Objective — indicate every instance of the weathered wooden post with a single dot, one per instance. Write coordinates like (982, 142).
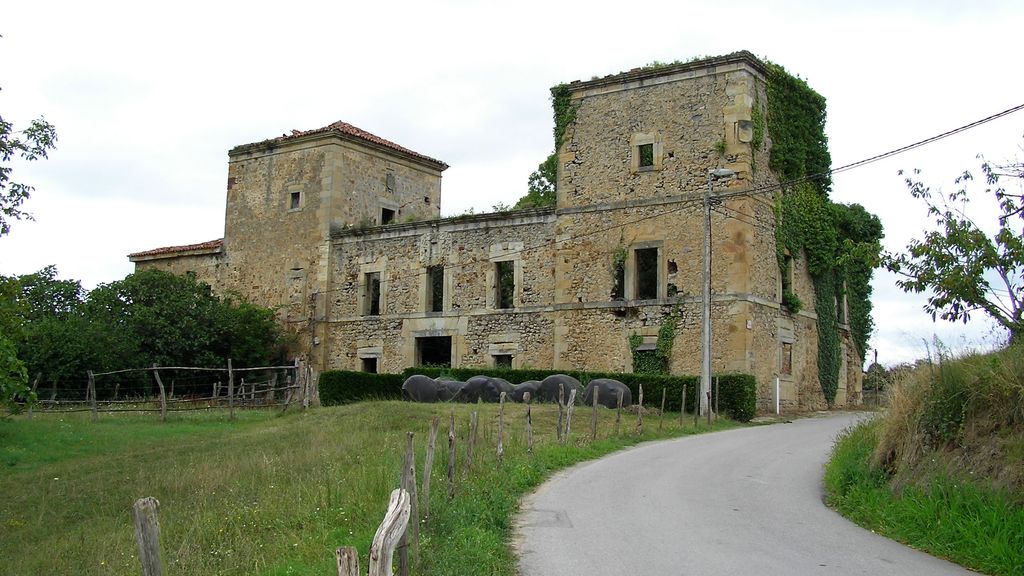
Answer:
(451, 456)
(91, 396)
(682, 406)
(561, 406)
(640, 413)
(163, 397)
(618, 412)
(470, 445)
(35, 383)
(348, 561)
(529, 424)
(661, 418)
(717, 398)
(568, 416)
(428, 465)
(409, 485)
(231, 391)
(147, 535)
(389, 533)
(593, 413)
(709, 408)
(501, 429)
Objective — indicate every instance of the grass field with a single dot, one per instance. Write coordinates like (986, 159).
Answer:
(268, 494)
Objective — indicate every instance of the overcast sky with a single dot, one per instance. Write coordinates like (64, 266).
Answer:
(148, 98)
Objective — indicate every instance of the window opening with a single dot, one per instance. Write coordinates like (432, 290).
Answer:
(371, 299)
(646, 273)
(505, 281)
(435, 288)
(294, 203)
(386, 216)
(370, 365)
(646, 152)
(786, 368)
(503, 361)
(434, 351)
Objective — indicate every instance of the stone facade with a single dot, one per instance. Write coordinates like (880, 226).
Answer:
(339, 229)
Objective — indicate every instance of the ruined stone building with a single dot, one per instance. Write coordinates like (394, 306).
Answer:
(341, 231)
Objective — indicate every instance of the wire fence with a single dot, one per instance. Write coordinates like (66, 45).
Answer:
(179, 388)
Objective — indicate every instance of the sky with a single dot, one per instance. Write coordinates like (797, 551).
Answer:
(147, 99)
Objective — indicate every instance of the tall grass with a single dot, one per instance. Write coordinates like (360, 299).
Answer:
(268, 494)
(943, 468)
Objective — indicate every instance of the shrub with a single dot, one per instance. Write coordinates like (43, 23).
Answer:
(343, 387)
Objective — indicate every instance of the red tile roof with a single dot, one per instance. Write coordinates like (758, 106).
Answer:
(347, 129)
(212, 245)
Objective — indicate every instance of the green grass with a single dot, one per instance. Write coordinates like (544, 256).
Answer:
(267, 494)
(961, 521)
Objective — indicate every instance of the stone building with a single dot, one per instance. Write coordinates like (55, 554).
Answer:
(340, 230)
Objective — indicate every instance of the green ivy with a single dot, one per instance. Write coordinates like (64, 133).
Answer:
(659, 360)
(565, 111)
(841, 242)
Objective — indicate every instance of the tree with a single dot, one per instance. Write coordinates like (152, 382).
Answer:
(961, 266)
(30, 144)
(542, 185)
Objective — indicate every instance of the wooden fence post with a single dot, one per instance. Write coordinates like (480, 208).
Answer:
(568, 416)
(682, 407)
(409, 485)
(389, 533)
(640, 413)
(661, 418)
(231, 390)
(348, 561)
(35, 383)
(501, 429)
(147, 535)
(451, 456)
(529, 424)
(717, 398)
(163, 397)
(428, 466)
(561, 406)
(470, 445)
(91, 393)
(593, 413)
(618, 412)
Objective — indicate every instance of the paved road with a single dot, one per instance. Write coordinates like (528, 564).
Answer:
(746, 501)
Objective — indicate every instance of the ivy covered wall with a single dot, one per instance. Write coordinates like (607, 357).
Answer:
(841, 242)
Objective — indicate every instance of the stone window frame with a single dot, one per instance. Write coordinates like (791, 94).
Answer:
(364, 270)
(510, 349)
(295, 199)
(426, 300)
(504, 252)
(384, 204)
(639, 139)
(375, 353)
(786, 337)
(630, 289)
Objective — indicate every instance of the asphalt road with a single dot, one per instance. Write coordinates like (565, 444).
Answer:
(746, 501)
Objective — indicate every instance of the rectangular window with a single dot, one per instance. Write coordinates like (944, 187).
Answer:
(371, 296)
(370, 365)
(386, 216)
(505, 283)
(786, 368)
(503, 361)
(435, 288)
(434, 351)
(294, 201)
(646, 260)
(646, 153)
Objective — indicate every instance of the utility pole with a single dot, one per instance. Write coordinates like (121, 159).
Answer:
(705, 357)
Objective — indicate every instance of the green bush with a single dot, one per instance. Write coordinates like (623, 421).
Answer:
(343, 387)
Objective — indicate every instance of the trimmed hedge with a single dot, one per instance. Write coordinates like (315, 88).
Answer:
(343, 387)
(738, 391)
